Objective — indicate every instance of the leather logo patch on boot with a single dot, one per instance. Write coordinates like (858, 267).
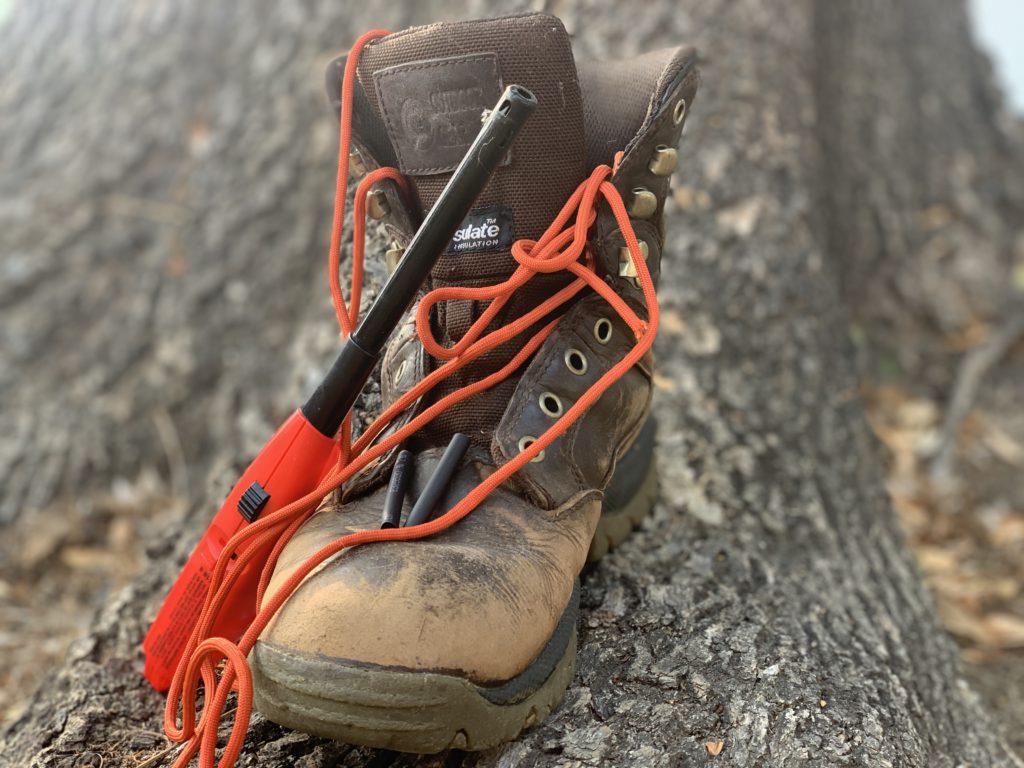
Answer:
(432, 108)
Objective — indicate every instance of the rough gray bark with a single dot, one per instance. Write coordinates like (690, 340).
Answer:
(166, 198)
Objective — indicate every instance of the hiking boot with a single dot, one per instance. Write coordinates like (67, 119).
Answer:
(464, 638)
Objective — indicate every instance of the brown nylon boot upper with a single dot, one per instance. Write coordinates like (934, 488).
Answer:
(483, 598)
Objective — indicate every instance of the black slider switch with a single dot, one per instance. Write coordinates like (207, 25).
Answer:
(252, 502)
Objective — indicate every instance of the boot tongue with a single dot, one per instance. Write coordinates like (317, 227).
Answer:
(428, 87)
(425, 90)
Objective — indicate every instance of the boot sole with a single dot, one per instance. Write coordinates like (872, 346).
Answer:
(420, 712)
(429, 712)
(631, 494)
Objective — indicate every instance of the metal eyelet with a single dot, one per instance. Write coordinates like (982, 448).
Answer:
(392, 256)
(642, 203)
(356, 166)
(525, 442)
(603, 330)
(377, 206)
(627, 268)
(679, 112)
(663, 161)
(576, 361)
(551, 404)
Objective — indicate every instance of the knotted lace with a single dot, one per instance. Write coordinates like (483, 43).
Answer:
(220, 665)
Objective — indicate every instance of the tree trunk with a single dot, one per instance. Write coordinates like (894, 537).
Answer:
(164, 210)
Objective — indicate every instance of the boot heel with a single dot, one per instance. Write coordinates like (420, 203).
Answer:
(630, 495)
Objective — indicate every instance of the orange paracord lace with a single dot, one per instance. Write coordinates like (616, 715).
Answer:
(221, 665)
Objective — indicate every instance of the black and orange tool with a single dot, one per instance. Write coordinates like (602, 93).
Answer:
(299, 454)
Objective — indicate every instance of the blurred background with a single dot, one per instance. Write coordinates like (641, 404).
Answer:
(122, 385)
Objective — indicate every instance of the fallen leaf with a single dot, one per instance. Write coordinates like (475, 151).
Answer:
(90, 558)
(688, 197)
(1009, 530)
(121, 535)
(968, 337)
(936, 559)
(1005, 630)
(935, 217)
(714, 748)
(1003, 446)
(44, 541)
(664, 383)
(1018, 277)
(672, 322)
(918, 413)
(741, 219)
(969, 588)
(959, 621)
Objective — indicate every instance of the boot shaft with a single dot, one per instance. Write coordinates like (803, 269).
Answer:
(418, 105)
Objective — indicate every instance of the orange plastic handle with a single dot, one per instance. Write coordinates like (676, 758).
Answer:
(291, 464)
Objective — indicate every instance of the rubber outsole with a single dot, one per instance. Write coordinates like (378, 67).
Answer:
(421, 712)
(427, 712)
(616, 525)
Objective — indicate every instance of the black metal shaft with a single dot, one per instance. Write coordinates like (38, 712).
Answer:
(333, 399)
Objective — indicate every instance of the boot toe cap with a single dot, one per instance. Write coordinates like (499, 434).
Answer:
(480, 600)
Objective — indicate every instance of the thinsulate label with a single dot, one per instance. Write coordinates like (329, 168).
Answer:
(484, 229)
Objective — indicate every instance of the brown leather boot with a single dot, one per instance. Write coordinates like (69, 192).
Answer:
(465, 638)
